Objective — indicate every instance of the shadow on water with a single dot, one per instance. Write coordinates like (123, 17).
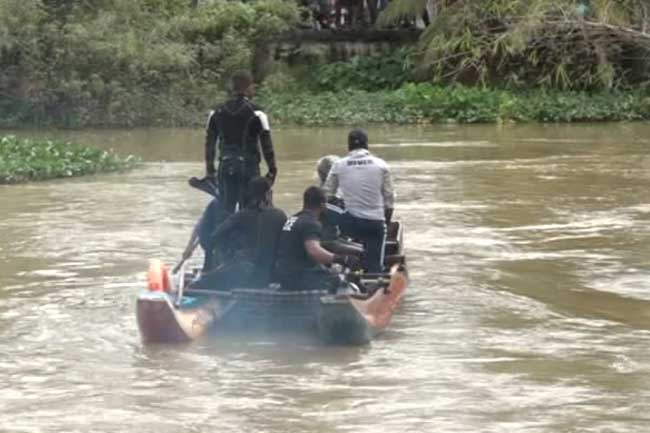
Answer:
(286, 348)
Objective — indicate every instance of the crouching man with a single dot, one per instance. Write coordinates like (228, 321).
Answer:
(252, 236)
(301, 259)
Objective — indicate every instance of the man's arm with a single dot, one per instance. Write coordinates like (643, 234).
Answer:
(331, 184)
(388, 194)
(192, 243)
(266, 142)
(323, 257)
(211, 135)
(231, 223)
(319, 254)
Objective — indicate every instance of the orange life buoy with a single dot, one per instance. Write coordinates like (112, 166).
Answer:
(158, 276)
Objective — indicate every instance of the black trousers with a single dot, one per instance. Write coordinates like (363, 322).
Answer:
(372, 234)
(234, 175)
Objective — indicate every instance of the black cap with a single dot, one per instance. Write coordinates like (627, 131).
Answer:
(357, 138)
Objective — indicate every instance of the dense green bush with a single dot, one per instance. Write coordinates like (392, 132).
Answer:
(23, 160)
(160, 62)
(426, 103)
(560, 44)
(376, 72)
(125, 62)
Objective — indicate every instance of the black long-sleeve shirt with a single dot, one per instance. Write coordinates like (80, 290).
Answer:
(260, 232)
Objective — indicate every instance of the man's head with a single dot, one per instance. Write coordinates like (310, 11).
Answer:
(242, 83)
(259, 191)
(314, 199)
(357, 139)
(324, 165)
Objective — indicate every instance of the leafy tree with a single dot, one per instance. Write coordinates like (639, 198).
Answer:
(559, 43)
(125, 62)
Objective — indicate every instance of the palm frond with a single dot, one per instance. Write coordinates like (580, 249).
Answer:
(398, 10)
(563, 43)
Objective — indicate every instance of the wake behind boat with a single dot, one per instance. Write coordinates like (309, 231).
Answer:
(168, 314)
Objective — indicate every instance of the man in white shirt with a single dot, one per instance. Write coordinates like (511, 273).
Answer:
(366, 186)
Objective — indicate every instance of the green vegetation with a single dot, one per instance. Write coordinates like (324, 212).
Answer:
(23, 160)
(125, 62)
(116, 63)
(370, 73)
(560, 44)
(426, 103)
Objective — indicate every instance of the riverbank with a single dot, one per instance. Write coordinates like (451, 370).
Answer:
(23, 160)
(409, 104)
(161, 63)
(425, 103)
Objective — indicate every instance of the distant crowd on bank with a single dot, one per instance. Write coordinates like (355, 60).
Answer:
(346, 14)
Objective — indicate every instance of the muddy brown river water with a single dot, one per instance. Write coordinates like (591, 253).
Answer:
(528, 311)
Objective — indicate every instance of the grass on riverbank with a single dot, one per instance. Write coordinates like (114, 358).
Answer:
(24, 160)
(411, 103)
(426, 103)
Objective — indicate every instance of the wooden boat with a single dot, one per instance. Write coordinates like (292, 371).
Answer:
(345, 318)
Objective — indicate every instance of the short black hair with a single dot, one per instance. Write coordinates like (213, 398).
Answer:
(357, 139)
(258, 187)
(313, 198)
(241, 81)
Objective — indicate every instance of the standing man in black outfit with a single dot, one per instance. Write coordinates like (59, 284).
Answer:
(239, 128)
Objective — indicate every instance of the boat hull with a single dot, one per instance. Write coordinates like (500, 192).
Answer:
(160, 321)
(338, 319)
(353, 319)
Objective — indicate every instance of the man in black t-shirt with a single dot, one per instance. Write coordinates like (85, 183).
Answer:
(257, 227)
(301, 259)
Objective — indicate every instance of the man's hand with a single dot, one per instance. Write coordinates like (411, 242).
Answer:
(272, 173)
(351, 262)
(388, 214)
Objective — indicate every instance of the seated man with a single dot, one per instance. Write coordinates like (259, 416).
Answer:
(366, 186)
(323, 167)
(301, 259)
(335, 207)
(213, 215)
(258, 226)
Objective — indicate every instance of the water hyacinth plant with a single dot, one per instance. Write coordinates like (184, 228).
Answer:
(23, 160)
(428, 103)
